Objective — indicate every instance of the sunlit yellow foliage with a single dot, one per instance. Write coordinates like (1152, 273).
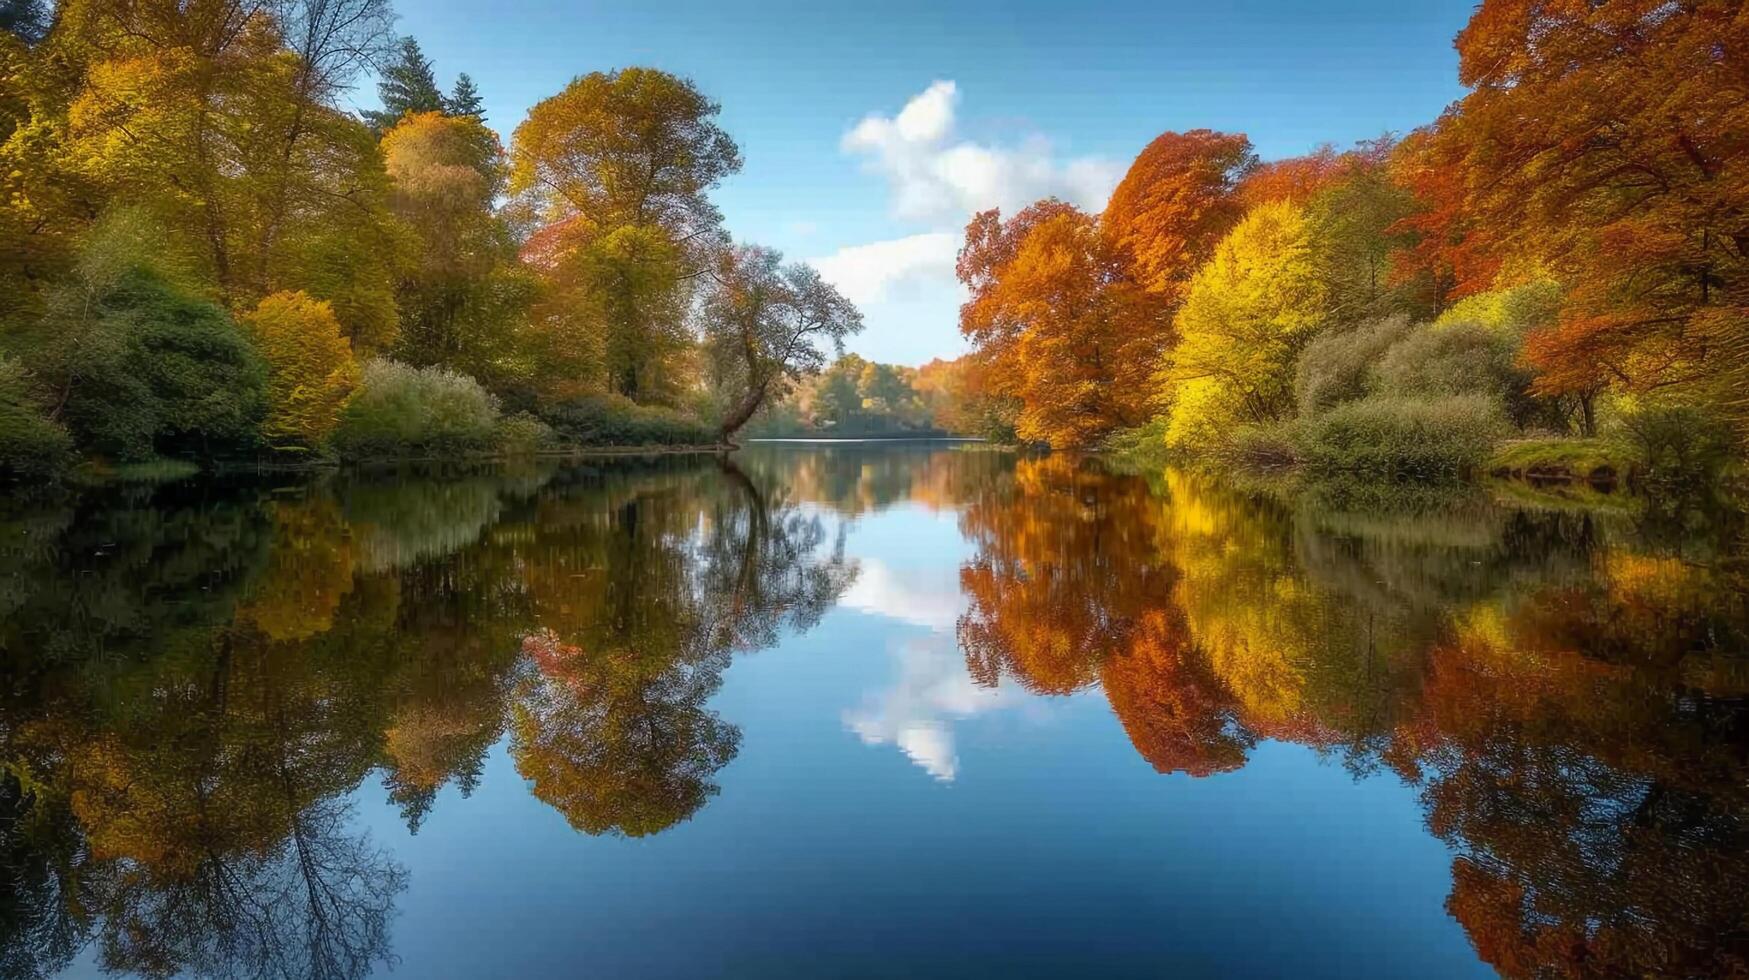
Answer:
(1246, 316)
(311, 370)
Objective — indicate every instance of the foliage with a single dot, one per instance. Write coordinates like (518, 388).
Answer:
(27, 20)
(1679, 445)
(764, 324)
(407, 87)
(460, 299)
(613, 420)
(310, 369)
(852, 397)
(1066, 334)
(1583, 459)
(635, 146)
(1646, 223)
(522, 434)
(31, 444)
(1246, 316)
(400, 410)
(1392, 437)
(1458, 359)
(1175, 203)
(229, 126)
(464, 99)
(162, 372)
(1337, 366)
(962, 400)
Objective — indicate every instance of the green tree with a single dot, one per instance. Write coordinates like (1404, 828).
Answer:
(458, 296)
(407, 86)
(464, 99)
(764, 322)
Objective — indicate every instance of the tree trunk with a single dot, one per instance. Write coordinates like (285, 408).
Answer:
(742, 412)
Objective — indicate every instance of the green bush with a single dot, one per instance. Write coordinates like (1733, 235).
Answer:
(1337, 367)
(31, 444)
(399, 410)
(523, 434)
(164, 372)
(1403, 437)
(1679, 445)
(612, 420)
(1460, 358)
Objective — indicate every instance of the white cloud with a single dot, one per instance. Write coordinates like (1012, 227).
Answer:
(936, 176)
(873, 272)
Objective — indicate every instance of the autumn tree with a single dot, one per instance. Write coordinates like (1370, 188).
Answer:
(459, 298)
(1246, 315)
(1608, 142)
(1070, 336)
(227, 122)
(765, 323)
(310, 370)
(632, 154)
(1175, 202)
(1296, 179)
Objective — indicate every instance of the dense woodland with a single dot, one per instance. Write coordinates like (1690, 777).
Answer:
(207, 255)
(1563, 253)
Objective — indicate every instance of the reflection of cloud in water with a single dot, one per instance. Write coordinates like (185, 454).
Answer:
(880, 591)
(933, 690)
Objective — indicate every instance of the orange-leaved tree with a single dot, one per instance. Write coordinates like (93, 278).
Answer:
(1075, 337)
(1175, 203)
(1611, 142)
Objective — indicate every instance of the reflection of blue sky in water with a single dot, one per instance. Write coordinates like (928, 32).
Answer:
(908, 560)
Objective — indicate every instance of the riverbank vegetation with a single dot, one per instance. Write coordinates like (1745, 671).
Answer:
(205, 255)
(1552, 277)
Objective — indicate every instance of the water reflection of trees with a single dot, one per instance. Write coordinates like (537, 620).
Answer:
(1568, 694)
(199, 680)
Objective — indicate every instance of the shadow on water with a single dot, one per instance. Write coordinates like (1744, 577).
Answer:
(198, 675)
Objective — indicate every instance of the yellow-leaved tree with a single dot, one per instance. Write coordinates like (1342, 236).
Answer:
(1246, 315)
(311, 370)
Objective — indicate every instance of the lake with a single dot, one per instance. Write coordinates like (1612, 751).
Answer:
(868, 710)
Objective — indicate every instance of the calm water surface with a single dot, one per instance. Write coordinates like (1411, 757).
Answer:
(866, 710)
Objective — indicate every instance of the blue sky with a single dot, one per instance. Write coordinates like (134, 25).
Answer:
(872, 130)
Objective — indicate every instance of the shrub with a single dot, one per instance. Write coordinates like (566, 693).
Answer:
(1337, 367)
(1679, 445)
(523, 434)
(310, 369)
(400, 410)
(31, 444)
(1459, 358)
(612, 420)
(165, 372)
(1404, 437)
(1267, 447)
